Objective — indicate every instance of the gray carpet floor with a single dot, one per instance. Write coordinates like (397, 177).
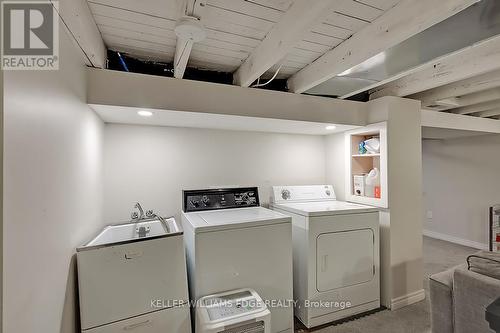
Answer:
(438, 256)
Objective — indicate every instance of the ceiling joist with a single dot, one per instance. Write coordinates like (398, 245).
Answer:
(284, 35)
(77, 17)
(469, 99)
(489, 113)
(487, 106)
(468, 86)
(401, 22)
(474, 60)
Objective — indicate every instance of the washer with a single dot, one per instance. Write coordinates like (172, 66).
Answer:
(233, 243)
(335, 253)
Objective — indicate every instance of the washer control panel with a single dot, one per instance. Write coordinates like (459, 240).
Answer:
(221, 198)
(283, 194)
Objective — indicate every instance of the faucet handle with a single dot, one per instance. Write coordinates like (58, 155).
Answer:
(149, 213)
(134, 215)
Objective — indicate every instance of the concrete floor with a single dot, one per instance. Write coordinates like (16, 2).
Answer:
(438, 256)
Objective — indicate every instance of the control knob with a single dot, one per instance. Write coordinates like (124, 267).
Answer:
(285, 194)
(205, 200)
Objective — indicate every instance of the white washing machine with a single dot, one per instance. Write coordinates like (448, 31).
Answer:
(233, 243)
(335, 253)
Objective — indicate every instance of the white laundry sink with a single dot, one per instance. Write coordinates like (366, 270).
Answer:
(133, 231)
(124, 269)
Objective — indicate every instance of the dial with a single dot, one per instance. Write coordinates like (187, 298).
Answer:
(205, 200)
(285, 194)
(195, 203)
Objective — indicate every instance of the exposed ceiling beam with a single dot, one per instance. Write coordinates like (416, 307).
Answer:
(284, 35)
(473, 85)
(459, 122)
(489, 113)
(183, 47)
(477, 108)
(406, 19)
(480, 58)
(77, 18)
(469, 99)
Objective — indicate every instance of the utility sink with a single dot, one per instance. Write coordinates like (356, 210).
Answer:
(124, 269)
(133, 231)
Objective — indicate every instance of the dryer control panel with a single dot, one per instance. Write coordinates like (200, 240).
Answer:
(220, 198)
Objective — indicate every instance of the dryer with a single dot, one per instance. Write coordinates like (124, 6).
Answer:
(233, 243)
(335, 253)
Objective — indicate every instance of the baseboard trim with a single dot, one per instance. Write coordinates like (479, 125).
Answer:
(402, 301)
(456, 240)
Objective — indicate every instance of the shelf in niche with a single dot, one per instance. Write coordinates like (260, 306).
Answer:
(366, 155)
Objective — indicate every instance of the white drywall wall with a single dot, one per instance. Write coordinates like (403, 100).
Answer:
(1, 197)
(400, 227)
(158, 92)
(52, 191)
(335, 163)
(154, 164)
(461, 180)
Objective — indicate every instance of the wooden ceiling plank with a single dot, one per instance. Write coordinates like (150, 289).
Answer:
(212, 23)
(314, 37)
(347, 22)
(103, 13)
(360, 10)
(221, 51)
(132, 37)
(224, 45)
(232, 38)
(248, 8)
(381, 4)
(136, 43)
(167, 37)
(282, 5)
(331, 30)
(155, 8)
(220, 14)
(304, 44)
(143, 53)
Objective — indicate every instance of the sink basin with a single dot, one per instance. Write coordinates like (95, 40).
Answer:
(127, 232)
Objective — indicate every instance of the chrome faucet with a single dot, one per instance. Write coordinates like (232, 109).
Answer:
(138, 215)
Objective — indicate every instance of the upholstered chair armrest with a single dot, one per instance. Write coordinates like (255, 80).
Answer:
(472, 293)
(441, 296)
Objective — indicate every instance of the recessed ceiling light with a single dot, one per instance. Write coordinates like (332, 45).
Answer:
(331, 127)
(144, 113)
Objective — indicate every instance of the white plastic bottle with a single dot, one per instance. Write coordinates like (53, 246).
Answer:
(372, 181)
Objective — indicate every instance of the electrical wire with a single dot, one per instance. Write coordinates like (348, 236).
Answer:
(268, 81)
(122, 61)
